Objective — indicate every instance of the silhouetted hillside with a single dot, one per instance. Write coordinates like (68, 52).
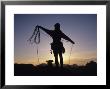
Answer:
(90, 69)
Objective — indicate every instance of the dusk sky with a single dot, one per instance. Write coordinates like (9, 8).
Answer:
(81, 28)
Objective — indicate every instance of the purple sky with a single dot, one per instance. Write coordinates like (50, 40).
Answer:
(81, 28)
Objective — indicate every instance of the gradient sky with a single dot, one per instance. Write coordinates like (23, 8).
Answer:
(81, 28)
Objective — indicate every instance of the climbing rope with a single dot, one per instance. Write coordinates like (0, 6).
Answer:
(70, 53)
(38, 53)
(35, 38)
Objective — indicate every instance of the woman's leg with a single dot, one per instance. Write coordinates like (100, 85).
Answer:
(56, 58)
(61, 59)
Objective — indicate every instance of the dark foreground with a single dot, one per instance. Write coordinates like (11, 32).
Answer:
(90, 69)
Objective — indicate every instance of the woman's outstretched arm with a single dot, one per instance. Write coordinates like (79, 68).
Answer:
(49, 32)
(67, 38)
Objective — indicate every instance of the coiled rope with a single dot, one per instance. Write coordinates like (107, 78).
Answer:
(35, 38)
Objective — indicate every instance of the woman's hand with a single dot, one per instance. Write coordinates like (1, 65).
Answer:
(38, 26)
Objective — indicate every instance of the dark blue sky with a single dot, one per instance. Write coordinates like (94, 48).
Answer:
(81, 28)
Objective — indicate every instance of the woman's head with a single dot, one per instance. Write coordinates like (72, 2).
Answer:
(57, 26)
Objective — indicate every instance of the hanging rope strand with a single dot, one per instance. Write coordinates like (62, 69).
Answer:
(70, 53)
(38, 53)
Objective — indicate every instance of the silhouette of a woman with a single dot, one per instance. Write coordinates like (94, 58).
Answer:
(57, 45)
